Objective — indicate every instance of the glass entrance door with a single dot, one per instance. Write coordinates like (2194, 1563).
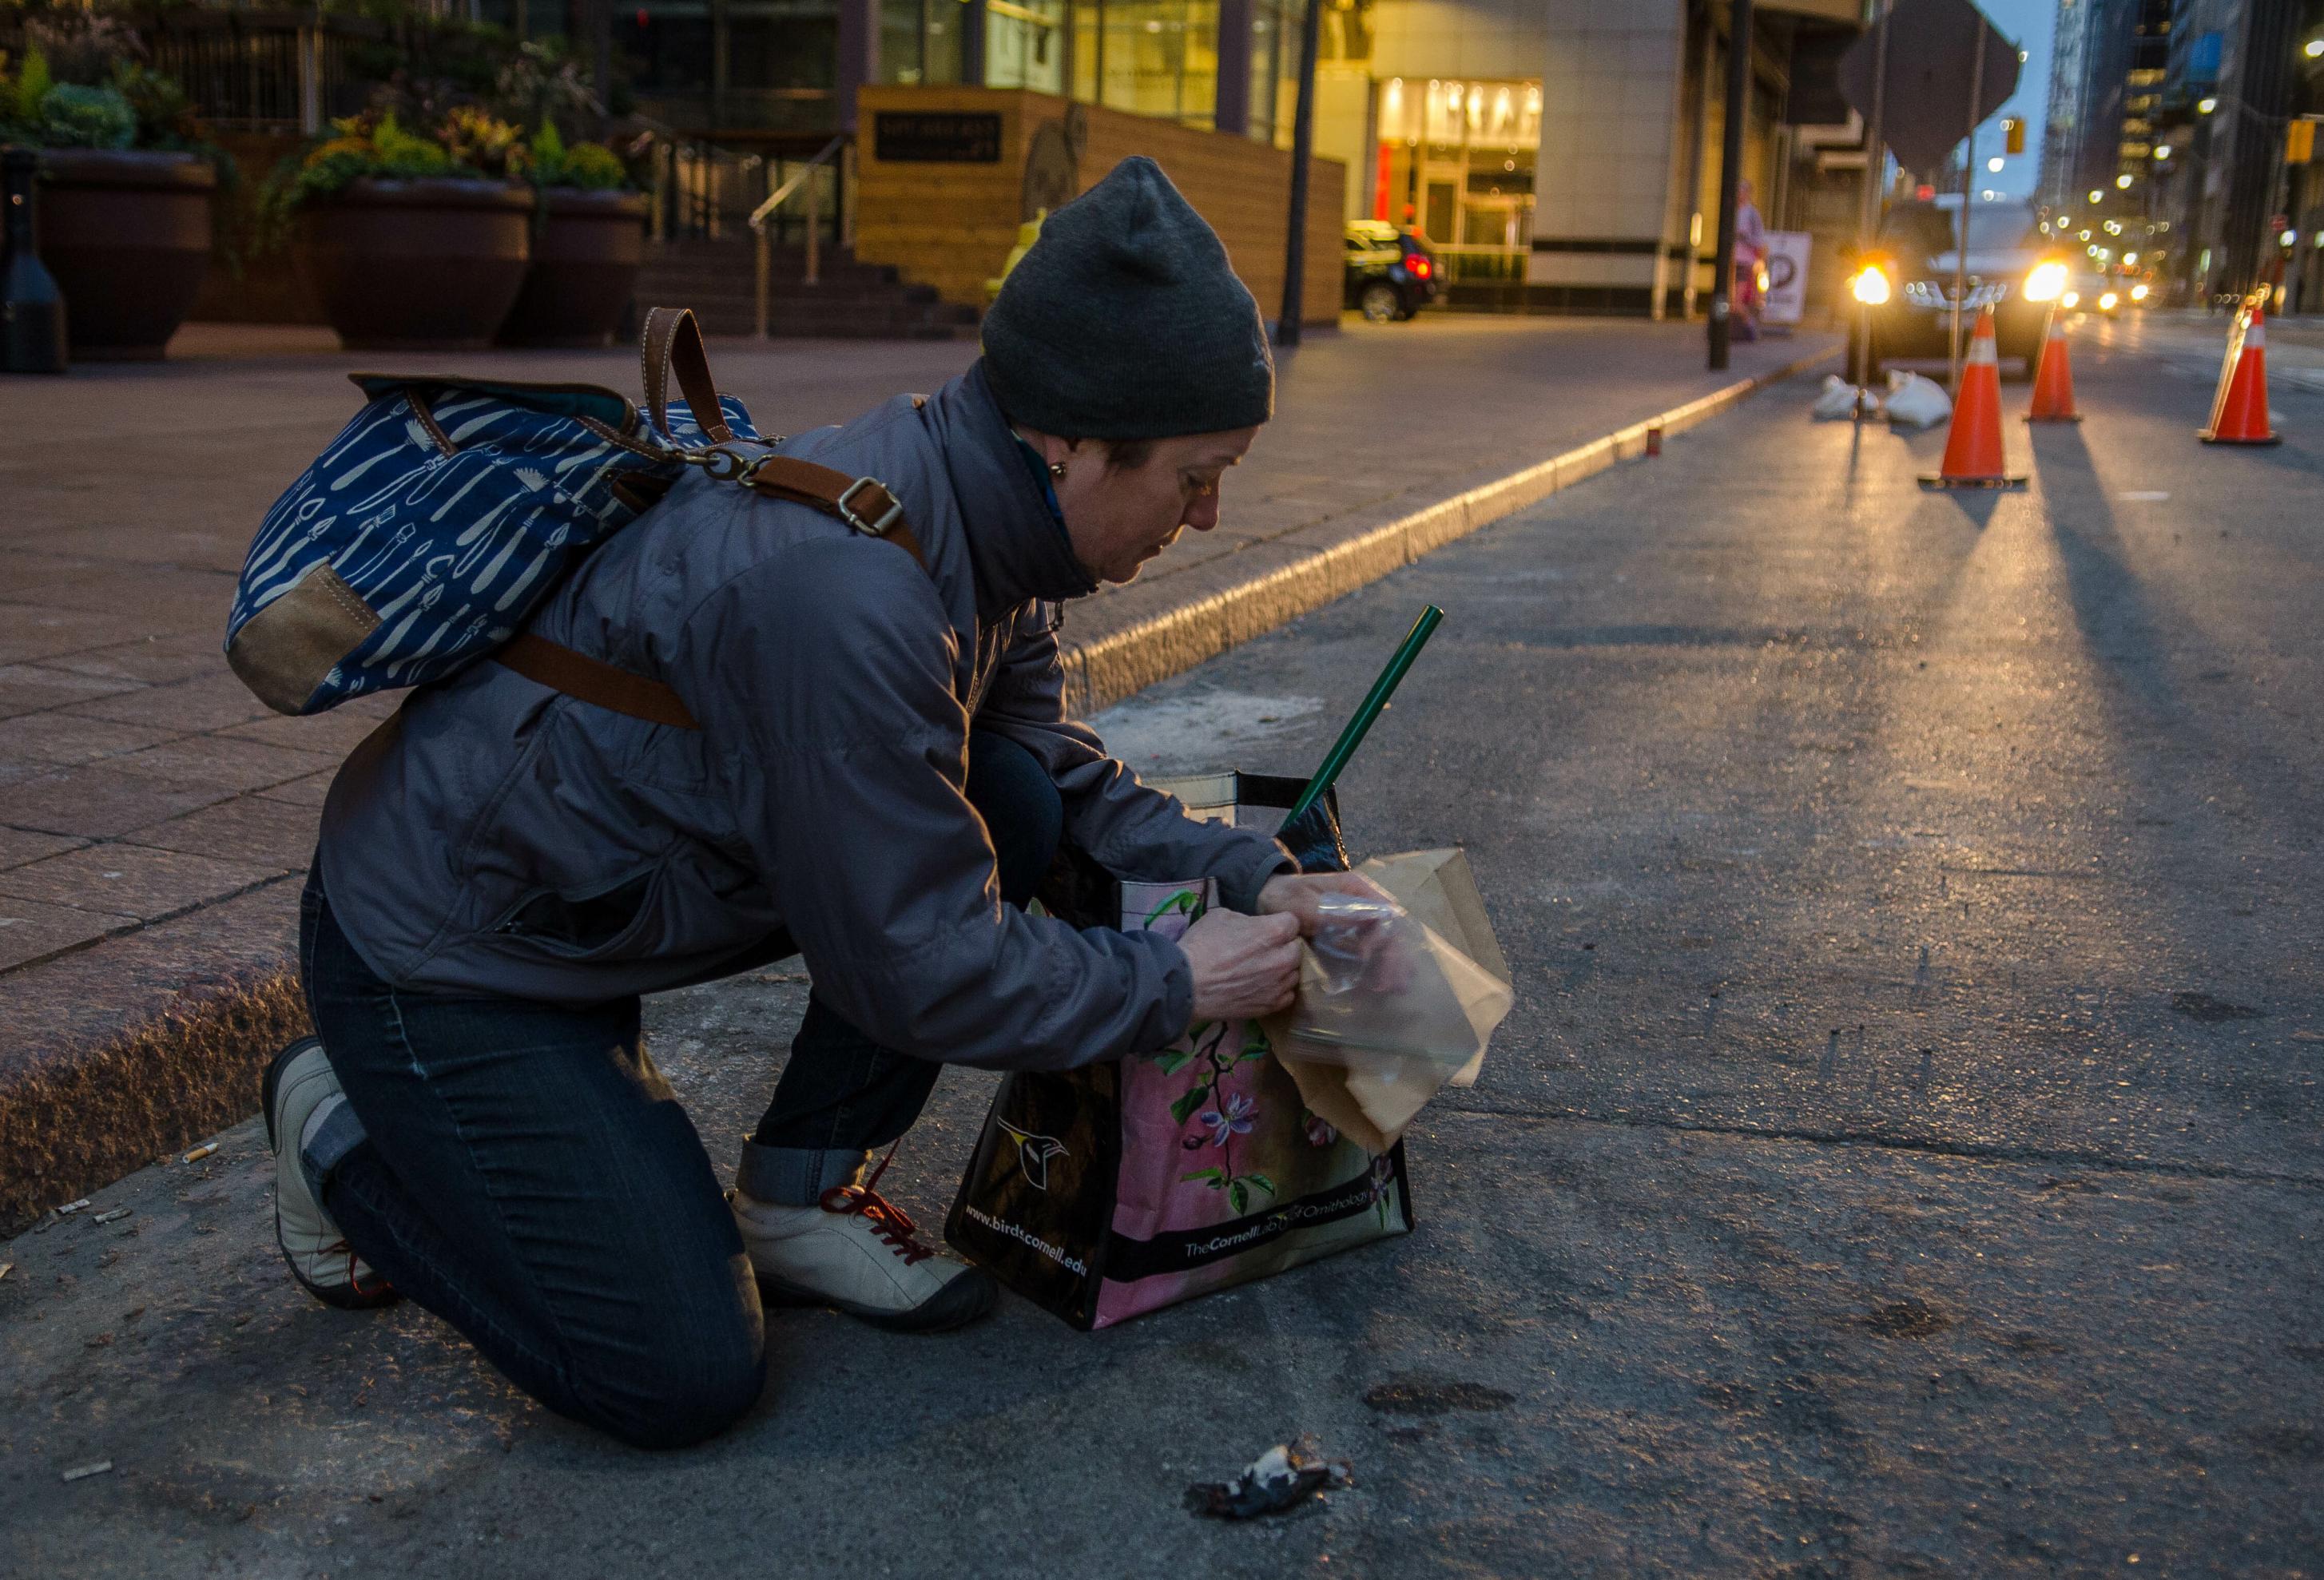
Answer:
(1457, 163)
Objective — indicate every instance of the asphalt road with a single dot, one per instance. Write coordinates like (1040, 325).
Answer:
(1904, 1158)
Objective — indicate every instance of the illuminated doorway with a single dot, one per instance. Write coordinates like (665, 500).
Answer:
(1456, 161)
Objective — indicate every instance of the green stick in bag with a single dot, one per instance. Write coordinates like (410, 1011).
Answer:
(1374, 703)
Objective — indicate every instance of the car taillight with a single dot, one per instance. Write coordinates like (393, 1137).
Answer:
(1420, 266)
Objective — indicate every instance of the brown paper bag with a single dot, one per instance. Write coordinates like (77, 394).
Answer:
(1369, 1080)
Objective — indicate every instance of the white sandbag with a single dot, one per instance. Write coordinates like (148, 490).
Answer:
(1915, 401)
(1837, 399)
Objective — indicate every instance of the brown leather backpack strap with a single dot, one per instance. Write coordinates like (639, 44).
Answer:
(864, 503)
(592, 681)
(671, 342)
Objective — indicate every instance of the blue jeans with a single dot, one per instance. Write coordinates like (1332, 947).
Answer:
(524, 1173)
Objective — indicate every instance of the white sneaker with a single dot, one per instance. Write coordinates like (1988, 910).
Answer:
(858, 1252)
(298, 1083)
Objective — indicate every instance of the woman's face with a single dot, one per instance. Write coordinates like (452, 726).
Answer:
(1121, 517)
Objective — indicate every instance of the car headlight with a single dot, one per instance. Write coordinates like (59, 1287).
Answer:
(1870, 285)
(2108, 302)
(2045, 282)
(2138, 293)
(2072, 298)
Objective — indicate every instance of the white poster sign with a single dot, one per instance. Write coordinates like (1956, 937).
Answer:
(1787, 277)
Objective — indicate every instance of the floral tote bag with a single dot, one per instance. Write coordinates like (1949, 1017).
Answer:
(1106, 1192)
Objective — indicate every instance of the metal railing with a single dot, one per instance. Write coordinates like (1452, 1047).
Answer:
(764, 250)
(266, 70)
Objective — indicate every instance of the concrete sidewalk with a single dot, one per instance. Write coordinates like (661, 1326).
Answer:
(155, 816)
(1906, 1156)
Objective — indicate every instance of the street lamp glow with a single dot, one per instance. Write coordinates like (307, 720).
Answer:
(1870, 286)
(2289, 238)
(2162, 151)
(2046, 283)
(2139, 292)
(2130, 260)
(2123, 182)
(2313, 49)
(2204, 106)
(2072, 298)
(2107, 303)
(2096, 196)
(1995, 164)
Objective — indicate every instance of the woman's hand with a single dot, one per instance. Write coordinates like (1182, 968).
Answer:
(1244, 966)
(1378, 954)
(1295, 895)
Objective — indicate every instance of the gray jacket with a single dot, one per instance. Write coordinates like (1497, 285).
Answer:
(496, 837)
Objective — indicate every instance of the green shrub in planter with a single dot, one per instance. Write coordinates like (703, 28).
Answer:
(589, 167)
(126, 219)
(410, 240)
(588, 244)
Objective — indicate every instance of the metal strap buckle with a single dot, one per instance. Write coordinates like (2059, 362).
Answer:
(722, 464)
(895, 511)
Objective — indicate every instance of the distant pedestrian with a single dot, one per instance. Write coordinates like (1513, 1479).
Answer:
(1751, 260)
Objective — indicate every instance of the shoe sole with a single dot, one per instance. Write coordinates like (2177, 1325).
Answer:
(346, 1297)
(960, 1302)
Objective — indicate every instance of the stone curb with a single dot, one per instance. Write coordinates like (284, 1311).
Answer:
(170, 1082)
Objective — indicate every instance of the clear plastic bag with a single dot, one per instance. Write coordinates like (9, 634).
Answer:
(1380, 993)
(1388, 1012)
(1354, 935)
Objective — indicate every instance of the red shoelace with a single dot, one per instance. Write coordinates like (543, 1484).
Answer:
(887, 1221)
(378, 1286)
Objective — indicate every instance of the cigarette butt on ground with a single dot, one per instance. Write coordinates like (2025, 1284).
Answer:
(72, 1207)
(199, 1153)
(6, 1268)
(114, 1217)
(78, 1471)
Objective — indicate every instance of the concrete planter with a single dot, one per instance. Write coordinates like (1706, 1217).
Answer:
(419, 265)
(585, 259)
(127, 235)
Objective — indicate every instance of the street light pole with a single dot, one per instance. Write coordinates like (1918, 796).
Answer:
(1875, 155)
(1302, 144)
(1876, 166)
(1968, 174)
(1730, 171)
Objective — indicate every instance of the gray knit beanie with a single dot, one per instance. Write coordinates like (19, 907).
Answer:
(1124, 321)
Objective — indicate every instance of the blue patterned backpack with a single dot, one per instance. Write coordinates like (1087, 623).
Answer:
(443, 515)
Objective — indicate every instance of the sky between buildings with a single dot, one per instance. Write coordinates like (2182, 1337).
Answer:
(2031, 22)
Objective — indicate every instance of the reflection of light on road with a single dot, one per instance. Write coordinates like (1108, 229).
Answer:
(1996, 754)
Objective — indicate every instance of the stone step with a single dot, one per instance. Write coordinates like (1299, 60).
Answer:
(718, 279)
(680, 292)
(863, 321)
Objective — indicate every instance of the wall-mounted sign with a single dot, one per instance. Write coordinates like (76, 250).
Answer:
(1787, 277)
(935, 137)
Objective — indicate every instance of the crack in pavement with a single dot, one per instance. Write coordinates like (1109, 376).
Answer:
(1969, 1151)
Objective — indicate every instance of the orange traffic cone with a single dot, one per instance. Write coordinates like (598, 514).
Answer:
(2239, 410)
(1973, 457)
(2053, 381)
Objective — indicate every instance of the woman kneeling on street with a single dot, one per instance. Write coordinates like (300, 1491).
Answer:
(883, 774)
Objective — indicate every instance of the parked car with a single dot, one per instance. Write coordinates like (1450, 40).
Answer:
(1917, 249)
(1390, 273)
